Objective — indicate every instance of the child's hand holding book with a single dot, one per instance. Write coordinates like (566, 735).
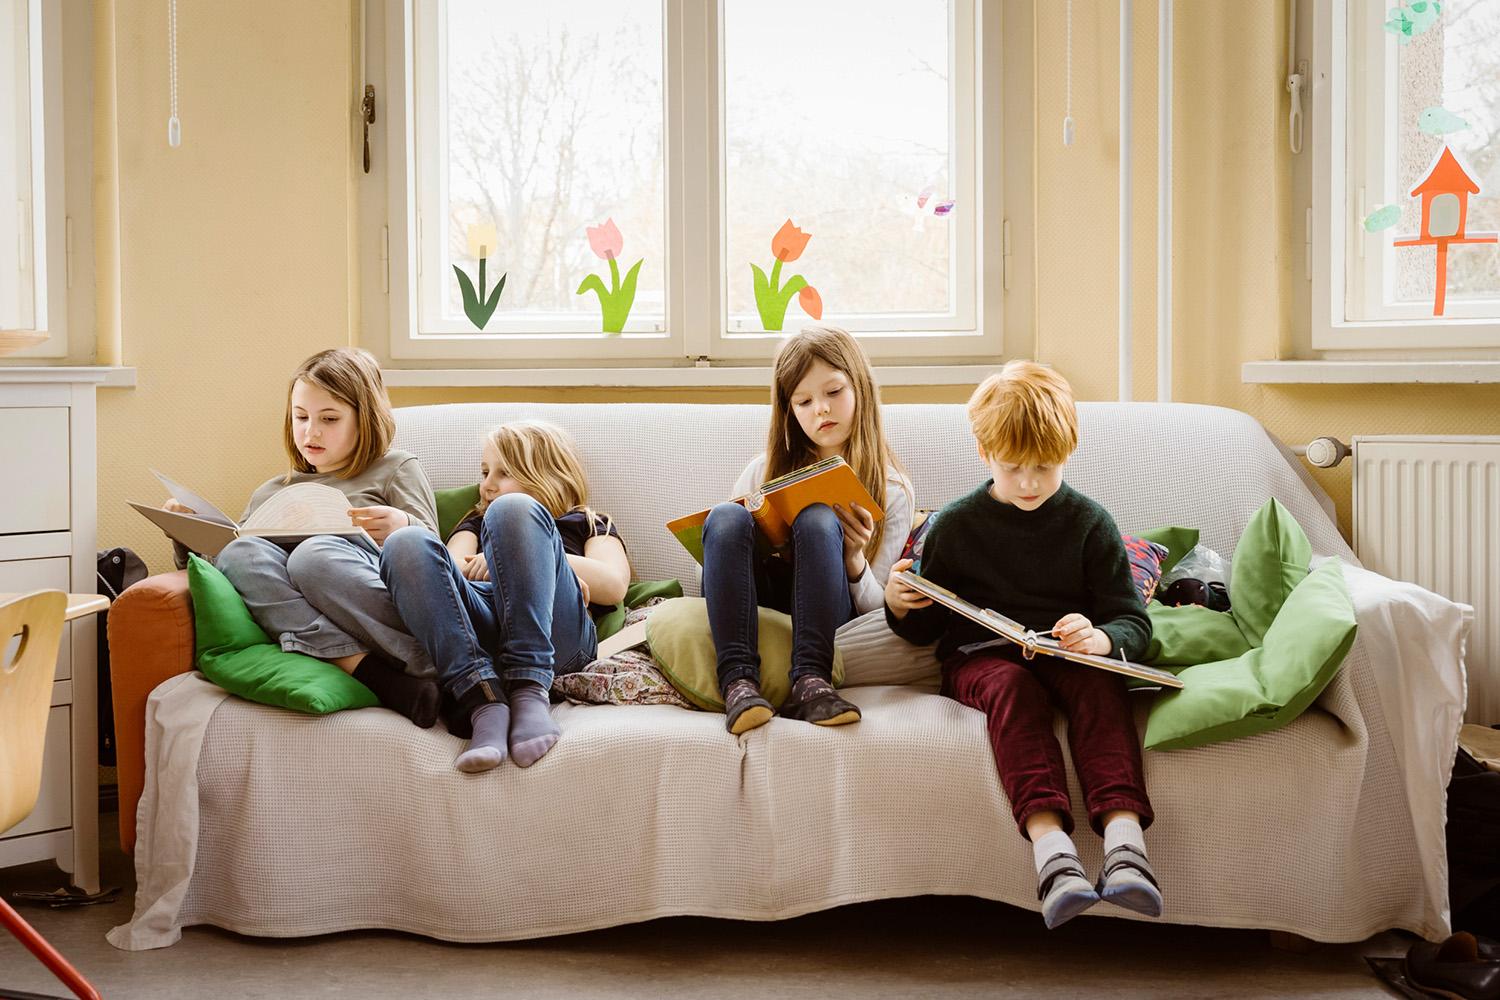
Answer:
(899, 596)
(1077, 634)
(378, 521)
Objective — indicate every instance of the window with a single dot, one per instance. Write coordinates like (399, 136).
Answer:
(1411, 175)
(33, 287)
(808, 164)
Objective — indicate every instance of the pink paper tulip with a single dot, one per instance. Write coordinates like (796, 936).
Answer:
(605, 240)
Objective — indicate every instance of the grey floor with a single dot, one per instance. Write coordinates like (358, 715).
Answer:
(928, 948)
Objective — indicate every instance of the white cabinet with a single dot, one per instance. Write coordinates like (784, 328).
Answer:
(48, 496)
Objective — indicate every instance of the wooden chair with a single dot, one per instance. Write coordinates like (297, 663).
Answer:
(25, 694)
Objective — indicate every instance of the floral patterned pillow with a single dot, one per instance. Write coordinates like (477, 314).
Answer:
(630, 677)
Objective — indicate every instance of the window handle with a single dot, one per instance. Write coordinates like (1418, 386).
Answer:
(367, 109)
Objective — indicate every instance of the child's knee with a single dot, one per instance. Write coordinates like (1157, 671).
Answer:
(314, 560)
(818, 518)
(728, 517)
(243, 556)
(506, 512)
(408, 547)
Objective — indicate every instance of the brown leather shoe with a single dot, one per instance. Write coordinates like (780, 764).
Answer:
(1455, 968)
(814, 700)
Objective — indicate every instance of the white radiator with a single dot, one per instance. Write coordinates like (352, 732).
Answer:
(1427, 510)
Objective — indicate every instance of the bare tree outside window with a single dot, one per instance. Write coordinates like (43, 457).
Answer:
(554, 124)
(840, 117)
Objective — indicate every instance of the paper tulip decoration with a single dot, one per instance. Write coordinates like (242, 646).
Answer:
(772, 297)
(615, 302)
(480, 306)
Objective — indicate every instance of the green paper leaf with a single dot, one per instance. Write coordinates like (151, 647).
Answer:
(472, 307)
(616, 307)
(495, 297)
(772, 313)
(1382, 218)
(592, 282)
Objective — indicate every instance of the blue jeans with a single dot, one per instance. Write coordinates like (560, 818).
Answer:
(528, 619)
(808, 582)
(323, 597)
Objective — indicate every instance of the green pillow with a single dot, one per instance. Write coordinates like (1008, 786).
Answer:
(678, 634)
(1179, 542)
(1191, 634)
(1269, 561)
(235, 654)
(452, 505)
(1266, 687)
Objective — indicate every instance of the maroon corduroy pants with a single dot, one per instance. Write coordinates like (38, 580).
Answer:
(1018, 696)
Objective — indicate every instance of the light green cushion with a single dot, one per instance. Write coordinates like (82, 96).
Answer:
(235, 654)
(636, 594)
(1179, 542)
(678, 634)
(1191, 634)
(1269, 561)
(452, 506)
(1269, 686)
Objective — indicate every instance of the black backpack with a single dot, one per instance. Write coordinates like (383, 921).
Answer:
(1474, 847)
(117, 569)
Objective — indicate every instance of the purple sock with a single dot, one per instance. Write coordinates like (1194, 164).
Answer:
(487, 747)
(532, 731)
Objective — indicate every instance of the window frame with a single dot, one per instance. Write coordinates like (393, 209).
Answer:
(1338, 238)
(46, 215)
(696, 283)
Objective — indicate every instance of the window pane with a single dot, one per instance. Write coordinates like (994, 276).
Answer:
(1453, 67)
(840, 118)
(553, 122)
(16, 278)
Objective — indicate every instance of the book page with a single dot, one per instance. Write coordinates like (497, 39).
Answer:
(303, 509)
(199, 506)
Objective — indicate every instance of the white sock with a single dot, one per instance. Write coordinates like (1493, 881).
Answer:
(1124, 830)
(1049, 844)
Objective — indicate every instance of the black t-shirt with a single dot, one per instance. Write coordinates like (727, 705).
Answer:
(574, 528)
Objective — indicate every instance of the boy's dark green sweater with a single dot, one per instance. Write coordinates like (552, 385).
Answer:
(1035, 566)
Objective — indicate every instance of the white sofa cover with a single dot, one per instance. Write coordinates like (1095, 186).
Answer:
(271, 823)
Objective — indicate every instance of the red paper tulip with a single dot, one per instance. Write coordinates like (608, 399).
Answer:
(811, 302)
(789, 242)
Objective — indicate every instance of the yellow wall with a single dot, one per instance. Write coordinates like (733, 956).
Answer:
(234, 251)
(233, 258)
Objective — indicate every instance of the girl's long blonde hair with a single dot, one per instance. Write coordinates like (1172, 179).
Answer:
(867, 451)
(543, 459)
(352, 376)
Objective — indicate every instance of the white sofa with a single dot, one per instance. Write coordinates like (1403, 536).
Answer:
(271, 823)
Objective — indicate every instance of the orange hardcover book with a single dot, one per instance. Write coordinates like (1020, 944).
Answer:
(778, 502)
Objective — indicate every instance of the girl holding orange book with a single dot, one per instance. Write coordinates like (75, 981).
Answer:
(824, 402)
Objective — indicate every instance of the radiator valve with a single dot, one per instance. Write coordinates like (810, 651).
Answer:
(1325, 452)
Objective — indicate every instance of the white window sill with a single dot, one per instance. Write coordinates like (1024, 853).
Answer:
(106, 376)
(1369, 372)
(694, 377)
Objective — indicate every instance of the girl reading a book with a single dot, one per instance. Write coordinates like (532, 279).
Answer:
(824, 402)
(506, 605)
(323, 596)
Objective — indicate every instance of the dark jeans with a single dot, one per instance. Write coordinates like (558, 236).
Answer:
(528, 619)
(1017, 697)
(808, 582)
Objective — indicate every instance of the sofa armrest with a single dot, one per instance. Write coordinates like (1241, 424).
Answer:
(150, 639)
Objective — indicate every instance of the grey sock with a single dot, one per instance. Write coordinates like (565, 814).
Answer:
(487, 748)
(532, 731)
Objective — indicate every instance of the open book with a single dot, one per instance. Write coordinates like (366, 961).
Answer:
(291, 515)
(1030, 642)
(778, 502)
